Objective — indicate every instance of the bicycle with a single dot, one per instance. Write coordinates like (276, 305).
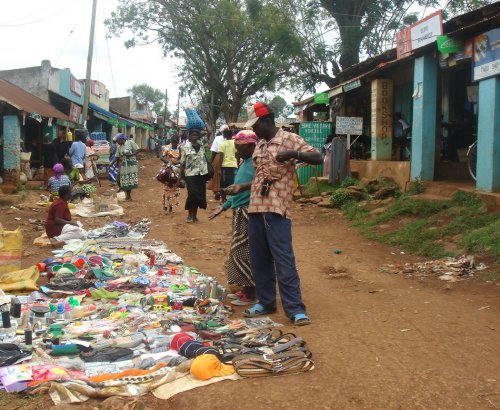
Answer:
(472, 160)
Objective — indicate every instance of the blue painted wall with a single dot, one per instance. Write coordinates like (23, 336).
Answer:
(11, 142)
(488, 138)
(65, 90)
(424, 118)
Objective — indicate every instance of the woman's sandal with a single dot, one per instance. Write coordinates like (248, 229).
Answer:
(301, 319)
(258, 310)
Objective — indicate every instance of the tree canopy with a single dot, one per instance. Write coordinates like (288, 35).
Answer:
(278, 103)
(232, 48)
(145, 94)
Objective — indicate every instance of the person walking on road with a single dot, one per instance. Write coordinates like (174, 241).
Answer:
(229, 163)
(269, 225)
(194, 171)
(171, 157)
(129, 170)
(239, 272)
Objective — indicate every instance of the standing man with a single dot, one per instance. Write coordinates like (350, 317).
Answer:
(78, 151)
(62, 146)
(270, 228)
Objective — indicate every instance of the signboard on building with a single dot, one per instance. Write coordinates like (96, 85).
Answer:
(487, 54)
(352, 85)
(349, 125)
(420, 34)
(95, 88)
(321, 98)
(75, 86)
(448, 45)
(381, 108)
(74, 112)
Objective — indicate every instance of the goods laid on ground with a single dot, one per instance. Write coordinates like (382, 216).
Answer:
(123, 316)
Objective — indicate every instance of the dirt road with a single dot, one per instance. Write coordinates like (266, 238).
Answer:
(379, 341)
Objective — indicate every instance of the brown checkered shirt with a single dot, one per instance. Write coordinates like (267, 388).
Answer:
(281, 173)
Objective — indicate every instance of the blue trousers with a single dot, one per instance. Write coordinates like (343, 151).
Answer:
(271, 258)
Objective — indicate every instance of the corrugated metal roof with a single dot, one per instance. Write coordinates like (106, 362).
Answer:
(23, 100)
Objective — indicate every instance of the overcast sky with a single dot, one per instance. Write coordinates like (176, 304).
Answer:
(58, 30)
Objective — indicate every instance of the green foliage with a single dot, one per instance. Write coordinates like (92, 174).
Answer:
(232, 48)
(485, 240)
(311, 189)
(353, 211)
(278, 103)
(340, 197)
(155, 98)
(416, 187)
(409, 207)
(467, 199)
(416, 238)
(427, 225)
(349, 181)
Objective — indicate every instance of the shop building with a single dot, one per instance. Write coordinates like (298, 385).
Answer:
(136, 119)
(440, 86)
(60, 88)
(24, 119)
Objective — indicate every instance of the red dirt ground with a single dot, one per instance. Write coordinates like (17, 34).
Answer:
(379, 341)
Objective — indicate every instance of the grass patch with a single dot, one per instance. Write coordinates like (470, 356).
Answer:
(431, 225)
(413, 207)
(485, 239)
(311, 189)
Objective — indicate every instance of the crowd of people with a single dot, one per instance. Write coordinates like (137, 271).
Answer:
(250, 172)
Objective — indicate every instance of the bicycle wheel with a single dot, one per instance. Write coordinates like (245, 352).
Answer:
(472, 160)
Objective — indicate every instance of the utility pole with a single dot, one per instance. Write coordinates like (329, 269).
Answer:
(86, 95)
(165, 113)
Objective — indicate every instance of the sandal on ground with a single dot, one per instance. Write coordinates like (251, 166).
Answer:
(258, 310)
(189, 220)
(244, 301)
(301, 319)
(236, 295)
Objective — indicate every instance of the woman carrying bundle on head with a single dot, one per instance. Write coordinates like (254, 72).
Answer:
(171, 157)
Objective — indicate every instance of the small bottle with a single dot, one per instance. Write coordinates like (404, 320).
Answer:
(60, 311)
(68, 311)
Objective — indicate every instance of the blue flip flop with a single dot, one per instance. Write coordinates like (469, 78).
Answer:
(301, 319)
(258, 310)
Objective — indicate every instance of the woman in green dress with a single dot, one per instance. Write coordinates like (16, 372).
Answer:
(129, 170)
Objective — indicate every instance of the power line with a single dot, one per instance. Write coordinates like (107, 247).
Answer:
(64, 46)
(37, 21)
(30, 14)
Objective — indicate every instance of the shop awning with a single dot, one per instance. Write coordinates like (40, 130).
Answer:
(125, 121)
(98, 110)
(24, 101)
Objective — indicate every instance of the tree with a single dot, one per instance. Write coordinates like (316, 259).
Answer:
(155, 98)
(233, 48)
(277, 104)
